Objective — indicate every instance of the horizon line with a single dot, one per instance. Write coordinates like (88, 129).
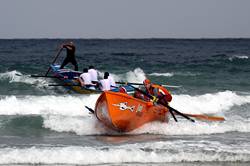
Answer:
(120, 38)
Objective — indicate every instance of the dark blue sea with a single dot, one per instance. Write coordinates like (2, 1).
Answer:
(46, 125)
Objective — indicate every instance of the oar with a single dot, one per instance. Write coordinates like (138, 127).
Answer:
(39, 76)
(181, 114)
(62, 85)
(66, 85)
(44, 76)
(197, 116)
(172, 86)
(170, 108)
(126, 83)
(171, 112)
(58, 53)
(133, 83)
(90, 109)
(206, 117)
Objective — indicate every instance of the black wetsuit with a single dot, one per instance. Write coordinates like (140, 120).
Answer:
(70, 57)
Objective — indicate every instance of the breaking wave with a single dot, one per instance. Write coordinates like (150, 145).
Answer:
(162, 74)
(16, 76)
(171, 74)
(238, 57)
(137, 75)
(153, 152)
(210, 103)
(68, 114)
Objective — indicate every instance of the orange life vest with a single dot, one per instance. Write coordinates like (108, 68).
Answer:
(159, 91)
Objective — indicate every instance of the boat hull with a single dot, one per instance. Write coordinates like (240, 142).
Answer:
(122, 112)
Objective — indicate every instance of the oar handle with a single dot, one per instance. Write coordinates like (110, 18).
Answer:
(185, 116)
(127, 83)
(141, 91)
(134, 83)
(58, 53)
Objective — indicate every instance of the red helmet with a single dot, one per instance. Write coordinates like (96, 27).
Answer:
(146, 81)
(122, 90)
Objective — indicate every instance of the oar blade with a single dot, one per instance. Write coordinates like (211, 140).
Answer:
(57, 54)
(206, 117)
(90, 109)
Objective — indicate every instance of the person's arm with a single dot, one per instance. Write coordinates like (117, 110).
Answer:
(81, 81)
(68, 46)
(156, 91)
(168, 96)
(100, 85)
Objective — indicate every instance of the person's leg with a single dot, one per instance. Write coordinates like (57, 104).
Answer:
(65, 62)
(73, 61)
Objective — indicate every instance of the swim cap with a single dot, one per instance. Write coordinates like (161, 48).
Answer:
(146, 81)
(122, 90)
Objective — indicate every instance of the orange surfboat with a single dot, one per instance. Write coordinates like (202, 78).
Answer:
(123, 113)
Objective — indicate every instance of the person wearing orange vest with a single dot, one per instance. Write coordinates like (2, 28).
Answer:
(161, 93)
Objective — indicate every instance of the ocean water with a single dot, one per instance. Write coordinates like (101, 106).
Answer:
(40, 124)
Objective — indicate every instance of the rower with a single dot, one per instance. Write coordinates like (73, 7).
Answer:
(158, 91)
(105, 83)
(85, 79)
(93, 74)
(111, 80)
(70, 58)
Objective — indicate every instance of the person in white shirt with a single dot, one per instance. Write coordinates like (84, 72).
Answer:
(85, 79)
(93, 74)
(112, 82)
(105, 83)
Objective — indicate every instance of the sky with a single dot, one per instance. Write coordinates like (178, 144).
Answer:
(124, 19)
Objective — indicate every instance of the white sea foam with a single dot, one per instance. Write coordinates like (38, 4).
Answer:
(16, 76)
(162, 74)
(171, 74)
(41, 105)
(10, 75)
(208, 103)
(185, 127)
(81, 125)
(137, 75)
(67, 113)
(88, 125)
(238, 57)
(153, 152)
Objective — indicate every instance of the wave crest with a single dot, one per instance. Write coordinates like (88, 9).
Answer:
(177, 151)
